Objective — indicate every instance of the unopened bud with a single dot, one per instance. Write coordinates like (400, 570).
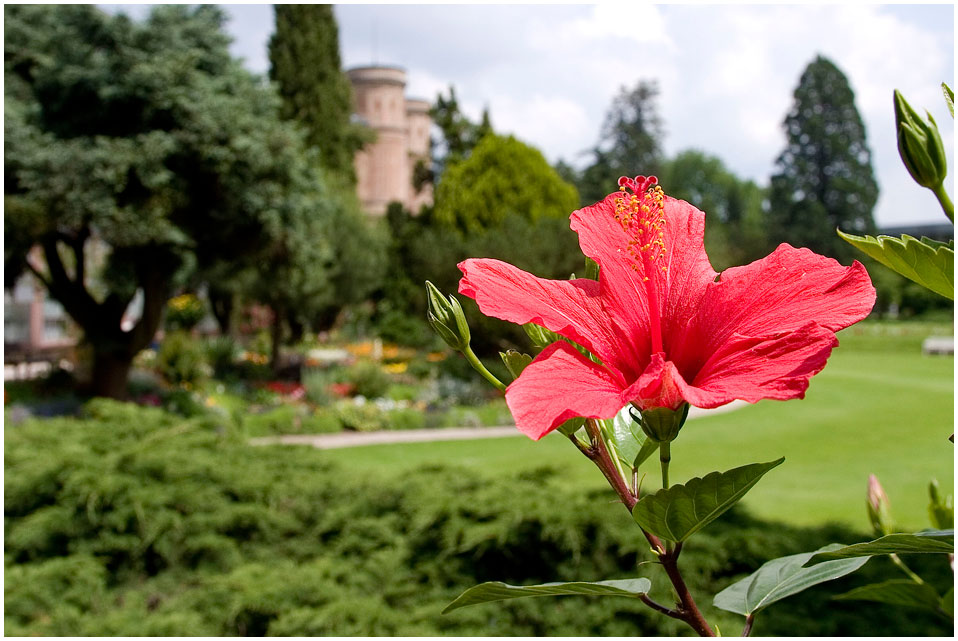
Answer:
(661, 424)
(940, 509)
(447, 319)
(879, 508)
(919, 144)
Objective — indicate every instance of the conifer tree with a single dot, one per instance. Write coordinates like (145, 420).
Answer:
(825, 178)
(306, 66)
(630, 142)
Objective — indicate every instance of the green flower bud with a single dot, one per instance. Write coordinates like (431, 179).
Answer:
(661, 424)
(447, 319)
(941, 509)
(920, 145)
(879, 508)
(571, 426)
(515, 362)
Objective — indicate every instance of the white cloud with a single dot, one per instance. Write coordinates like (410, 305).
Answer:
(726, 73)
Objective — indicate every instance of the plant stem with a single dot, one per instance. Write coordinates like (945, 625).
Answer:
(947, 206)
(749, 620)
(687, 610)
(665, 457)
(479, 367)
(904, 568)
(687, 607)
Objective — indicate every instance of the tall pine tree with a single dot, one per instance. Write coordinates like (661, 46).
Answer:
(630, 142)
(306, 66)
(825, 178)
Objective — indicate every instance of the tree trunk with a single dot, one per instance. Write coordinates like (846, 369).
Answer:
(224, 306)
(111, 372)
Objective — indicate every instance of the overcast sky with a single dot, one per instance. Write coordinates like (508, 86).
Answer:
(726, 73)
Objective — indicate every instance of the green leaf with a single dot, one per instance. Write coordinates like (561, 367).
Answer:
(903, 592)
(515, 362)
(929, 542)
(949, 98)
(948, 602)
(929, 263)
(630, 441)
(497, 591)
(681, 510)
(780, 578)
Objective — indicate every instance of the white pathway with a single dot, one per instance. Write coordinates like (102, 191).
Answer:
(356, 439)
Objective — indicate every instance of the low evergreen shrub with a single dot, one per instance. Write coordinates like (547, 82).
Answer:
(134, 521)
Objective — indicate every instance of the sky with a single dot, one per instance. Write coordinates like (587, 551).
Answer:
(726, 73)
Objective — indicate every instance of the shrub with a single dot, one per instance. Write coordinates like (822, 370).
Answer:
(406, 419)
(222, 353)
(132, 521)
(361, 418)
(184, 312)
(316, 380)
(181, 359)
(368, 377)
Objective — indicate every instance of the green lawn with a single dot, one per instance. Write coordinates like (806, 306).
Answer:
(879, 407)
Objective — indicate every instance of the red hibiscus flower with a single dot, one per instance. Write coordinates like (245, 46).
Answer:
(666, 328)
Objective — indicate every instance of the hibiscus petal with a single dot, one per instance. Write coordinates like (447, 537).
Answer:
(780, 293)
(660, 385)
(753, 368)
(568, 307)
(558, 385)
(686, 274)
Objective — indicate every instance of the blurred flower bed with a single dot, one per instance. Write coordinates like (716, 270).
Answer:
(321, 387)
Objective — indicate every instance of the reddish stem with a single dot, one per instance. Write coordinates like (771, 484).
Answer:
(686, 609)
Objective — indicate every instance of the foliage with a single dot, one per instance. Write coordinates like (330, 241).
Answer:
(459, 135)
(181, 359)
(136, 153)
(368, 378)
(136, 522)
(630, 142)
(735, 232)
(184, 312)
(221, 353)
(305, 65)
(825, 178)
(424, 251)
(502, 177)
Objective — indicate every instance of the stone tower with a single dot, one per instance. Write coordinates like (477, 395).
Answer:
(384, 168)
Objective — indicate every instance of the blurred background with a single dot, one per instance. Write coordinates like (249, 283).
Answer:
(218, 222)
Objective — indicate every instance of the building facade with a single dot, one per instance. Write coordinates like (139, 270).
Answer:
(384, 168)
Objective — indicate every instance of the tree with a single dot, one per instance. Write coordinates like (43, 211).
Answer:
(825, 178)
(136, 153)
(459, 134)
(501, 177)
(734, 223)
(630, 142)
(305, 65)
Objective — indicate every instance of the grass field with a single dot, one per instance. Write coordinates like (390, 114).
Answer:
(880, 407)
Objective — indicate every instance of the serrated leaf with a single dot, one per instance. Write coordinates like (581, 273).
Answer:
(497, 591)
(682, 510)
(928, 542)
(515, 362)
(780, 578)
(929, 263)
(904, 592)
